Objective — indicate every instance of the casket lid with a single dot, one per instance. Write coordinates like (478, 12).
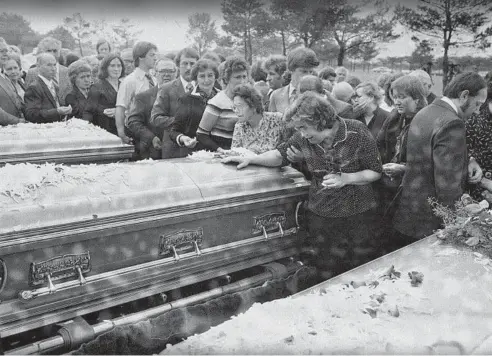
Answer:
(28, 142)
(34, 196)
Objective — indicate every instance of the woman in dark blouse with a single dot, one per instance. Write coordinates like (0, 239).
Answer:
(101, 103)
(343, 159)
(191, 107)
(79, 73)
(479, 142)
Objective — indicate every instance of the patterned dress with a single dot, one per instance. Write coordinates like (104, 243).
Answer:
(479, 143)
(265, 137)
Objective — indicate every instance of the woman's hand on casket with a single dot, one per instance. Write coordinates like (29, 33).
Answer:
(242, 161)
(334, 181)
(474, 171)
(188, 141)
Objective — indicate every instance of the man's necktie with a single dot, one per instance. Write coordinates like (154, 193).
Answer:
(189, 87)
(149, 78)
(53, 90)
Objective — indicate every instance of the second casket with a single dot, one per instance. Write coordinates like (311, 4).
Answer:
(77, 239)
(72, 141)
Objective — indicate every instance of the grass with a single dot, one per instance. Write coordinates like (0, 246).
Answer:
(371, 76)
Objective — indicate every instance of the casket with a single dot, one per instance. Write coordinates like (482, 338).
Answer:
(77, 239)
(378, 308)
(72, 141)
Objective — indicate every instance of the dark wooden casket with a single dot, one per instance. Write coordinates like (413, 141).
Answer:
(73, 141)
(78, 239)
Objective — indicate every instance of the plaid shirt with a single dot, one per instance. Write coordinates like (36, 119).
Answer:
(354, 150)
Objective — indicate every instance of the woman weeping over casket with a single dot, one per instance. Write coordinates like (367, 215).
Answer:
(343, 159)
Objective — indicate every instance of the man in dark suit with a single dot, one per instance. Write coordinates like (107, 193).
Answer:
(300, 62)
(148, 142)
(437, 161)
(166, 103)
(10, 103)
(41, 97)
(61, 79)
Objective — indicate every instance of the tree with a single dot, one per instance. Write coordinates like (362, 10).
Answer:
(422, 54)
(127, 32)
(80, 29)
(202, 31)
(449, 21)
(245, 19)
(351, 31)
(306, 20)
(63, 35)
(14, 29)
(326, 50)
(280, 22)
(364, 52)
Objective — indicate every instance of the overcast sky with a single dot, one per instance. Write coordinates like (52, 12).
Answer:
(164, 22)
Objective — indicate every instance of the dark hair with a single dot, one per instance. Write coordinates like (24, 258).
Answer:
(250, 95)
(301, 57)
(100, 43)
(311, 83)
(140, 50)
(257, 72)
(70, 58)
(233, 64)
(189, 52)
(202, 65)
(103, 67)
(387, 87)
(326, 73)
(353, 81)
(471, 81)
(313, 109)
(413, 87)
(277, 62)
(210, 55)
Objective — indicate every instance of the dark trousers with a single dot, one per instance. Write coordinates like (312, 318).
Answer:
(341, 244)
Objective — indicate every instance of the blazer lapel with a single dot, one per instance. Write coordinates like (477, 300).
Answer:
(444, 105)
(179, 87)
(8, 87)
(47, 91)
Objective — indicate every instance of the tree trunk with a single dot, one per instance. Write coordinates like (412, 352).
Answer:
(80, 48)
(245, 44)
(341, 55)
(284, 49)
(445, 65)
(249, 58)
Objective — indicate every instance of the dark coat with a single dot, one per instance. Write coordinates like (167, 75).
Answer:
(187, 119)
(11, 105)
(387, 136)
(437, 167)
(40, 103)
(78, 101)
(64, 84)
(138, 123)
(377, 121)
(166, 105)
(101, 96)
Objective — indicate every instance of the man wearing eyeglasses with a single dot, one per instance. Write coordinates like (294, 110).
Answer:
(61, 80)
(166, 103)
(10, 103)
(148, 143)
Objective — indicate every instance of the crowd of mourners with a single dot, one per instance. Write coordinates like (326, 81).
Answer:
(374, 151)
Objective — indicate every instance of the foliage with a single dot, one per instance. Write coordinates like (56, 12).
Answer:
(17, 31)
(80, 29)
(355, 35)
(448, 21)
(202, 31)
(245, 20)
(62, 34)
(326, 50)
(466, 224)
(423, 53)
(126, 32)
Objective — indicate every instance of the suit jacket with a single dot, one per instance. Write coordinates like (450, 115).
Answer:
(138, 123)
(437, 167)
(78, 102)
(40, 104)
(11, 105)
(101, 96)
(64, 84)
(166, 105)
(279, 100)
(377, 121)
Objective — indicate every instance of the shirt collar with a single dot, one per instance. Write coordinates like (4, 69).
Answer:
(48, 82)
(450, 102)
(139, 73)
(291, 89)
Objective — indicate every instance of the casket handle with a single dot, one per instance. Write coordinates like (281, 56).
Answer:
(280, 229)
(175, 253)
